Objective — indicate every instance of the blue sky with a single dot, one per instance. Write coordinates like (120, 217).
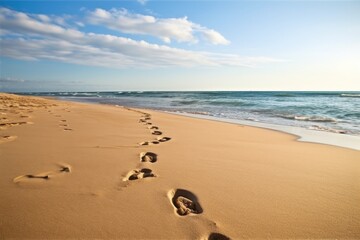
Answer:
(179, 45)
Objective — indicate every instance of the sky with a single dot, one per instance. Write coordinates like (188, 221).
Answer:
(153, 45)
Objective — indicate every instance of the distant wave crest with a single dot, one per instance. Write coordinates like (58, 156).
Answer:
(185, 102)
(350, 95)
(308, 118)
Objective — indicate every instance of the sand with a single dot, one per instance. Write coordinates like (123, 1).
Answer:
(73, 170)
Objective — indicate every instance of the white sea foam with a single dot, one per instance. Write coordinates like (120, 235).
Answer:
(308, 118)
(350, 95)
(305, 135)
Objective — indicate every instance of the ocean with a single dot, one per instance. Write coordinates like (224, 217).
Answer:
(337, 112)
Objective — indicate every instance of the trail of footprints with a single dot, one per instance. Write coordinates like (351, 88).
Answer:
(146, 157)
(14, 112)
(183, 201)
(62, 168)
(62, 122)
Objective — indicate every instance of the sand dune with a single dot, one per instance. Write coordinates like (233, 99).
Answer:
(96, 171)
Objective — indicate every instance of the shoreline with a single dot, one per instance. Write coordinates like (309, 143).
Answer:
(80, 170)
(302, 134)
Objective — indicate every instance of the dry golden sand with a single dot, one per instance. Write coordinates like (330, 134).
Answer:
(71, 170)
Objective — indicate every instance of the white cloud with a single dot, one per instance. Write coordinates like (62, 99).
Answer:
(166, 29)
(142, 2)
(30, 37)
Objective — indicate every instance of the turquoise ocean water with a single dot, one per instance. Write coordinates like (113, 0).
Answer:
(337, 112)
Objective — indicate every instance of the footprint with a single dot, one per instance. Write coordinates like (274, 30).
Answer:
(147, 118)
(63, 125)
(12, 124)
(156, 133)
(7, 138)
(142, 121)
(218, 236)
(148, 123)
(144, 143)
(67, 129)
(148, 157)
(153, 127)
(148, 143)
(63, 168)
(139, 174)
(63, 120)
(163, 139)
(184, 202)
(40, 176)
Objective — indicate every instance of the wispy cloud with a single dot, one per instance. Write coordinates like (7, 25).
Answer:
(41, 37)
(142, 2)
(10, 80)
(167, 29)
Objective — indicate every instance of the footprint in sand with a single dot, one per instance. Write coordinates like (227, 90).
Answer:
(67, 129)
(142, 121)
(148, 157)
(148, 143)
(4, 139)
(63, 120)
(139, 174)
(144, 143)
(63, 168)
(153, 127)
(163, 139)
(184, 202)
(218, 236)
(12, 124)
(156, 133)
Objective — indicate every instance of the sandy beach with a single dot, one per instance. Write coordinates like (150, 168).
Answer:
(74, 170)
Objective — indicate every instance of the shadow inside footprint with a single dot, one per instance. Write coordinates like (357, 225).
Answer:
(217, 236)
(148, 157)
(153, 127)
(46, 177)
(148, 143)
(65, 169)
(139, 174)
(156, 133)
(185, 202)
(164, 139)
